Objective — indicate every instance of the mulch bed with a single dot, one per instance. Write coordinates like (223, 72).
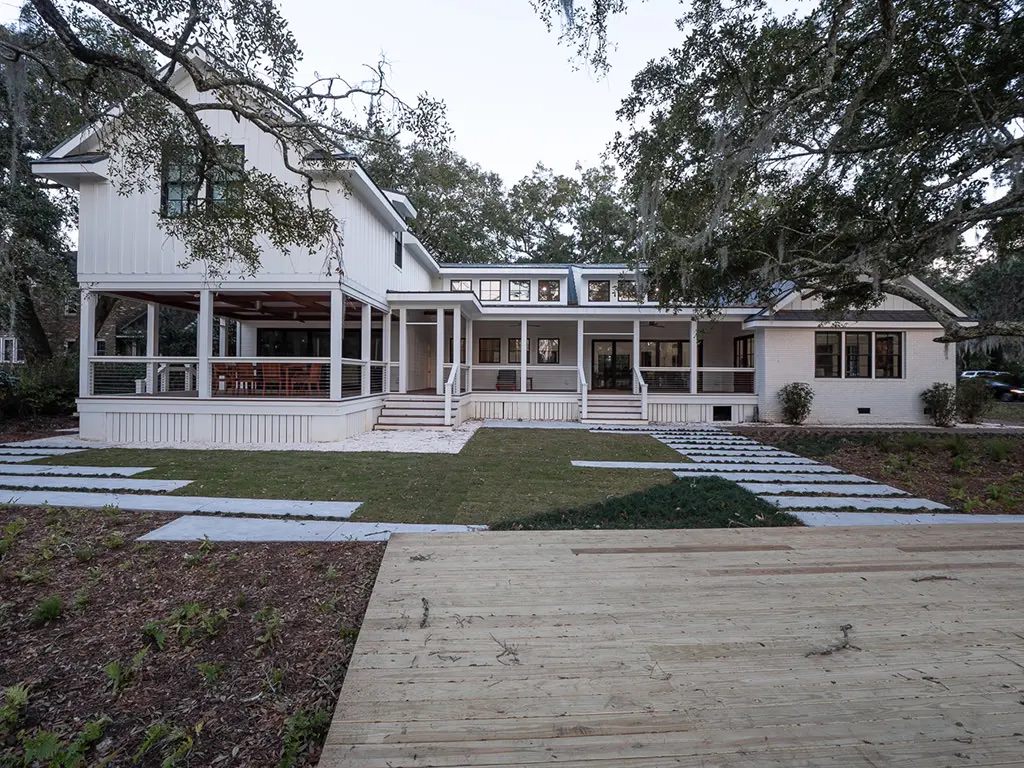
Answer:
(30, 428)
(186, 654)
(980, 474)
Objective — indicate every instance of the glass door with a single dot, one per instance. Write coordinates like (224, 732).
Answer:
(612, 365)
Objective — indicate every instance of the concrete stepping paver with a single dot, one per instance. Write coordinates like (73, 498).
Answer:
(742, 454)
(248, 529)
(21, 458)
(835, 489)
(758, 459)
(787, 503)
(338, 510)
(17, 450)
(33, 482)
(754, 466)
(62, 469)
(826, 519)
(779, 478)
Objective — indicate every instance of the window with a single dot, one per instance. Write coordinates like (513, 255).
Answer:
(101, 347)
(299, 342)
(743, 352)
(490, 290)
(70, 345)
(627, 290)
(225, 186)
(71, 304)
(826, 355)
(513, 350)
(490, 351)
(179, 186)
(547, 351)
(9, 350)
(648, 354)
(888, 356)
(180, 183)
(599, 290)
(462, 285)
(858, 355)
(462, 350)
(398, 250)
(549, 290)
(518, 290)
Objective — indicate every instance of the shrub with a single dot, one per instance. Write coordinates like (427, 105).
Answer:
(796, 399)
(940, 404)
(972, 400)
(47, 610)
(39, 388)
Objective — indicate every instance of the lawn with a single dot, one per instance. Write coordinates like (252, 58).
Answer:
(500, 474)
(114, 652)
(972, 473)
(1006, 413)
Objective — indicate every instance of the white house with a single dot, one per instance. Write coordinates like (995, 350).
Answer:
(399, 340)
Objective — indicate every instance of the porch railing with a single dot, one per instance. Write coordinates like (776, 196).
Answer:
(725, 380)
(122, 375)
(449, 386)
(305, 377)
(641, 385)
(539, 378)
(583, 387)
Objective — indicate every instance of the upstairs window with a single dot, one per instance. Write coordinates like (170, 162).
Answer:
(399, 251)
(490, 290)
(519, 290)
(627, 290)
(462, 285)
(549, 290)
(224, 187)
(179, 188)
(599, 290)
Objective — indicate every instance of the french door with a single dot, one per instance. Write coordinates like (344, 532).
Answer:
(611, 364)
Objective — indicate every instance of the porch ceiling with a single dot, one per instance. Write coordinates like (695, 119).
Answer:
(255, 305)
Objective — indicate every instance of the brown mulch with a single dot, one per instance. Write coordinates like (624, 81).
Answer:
(973, 473)
(12, 428)
(273, 626)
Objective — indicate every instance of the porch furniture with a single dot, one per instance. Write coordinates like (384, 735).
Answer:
(506, 380)
(304, 378)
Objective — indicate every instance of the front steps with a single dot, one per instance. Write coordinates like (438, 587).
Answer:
(614, 409)
(414, 412)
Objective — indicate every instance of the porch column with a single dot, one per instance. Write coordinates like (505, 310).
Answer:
(469, 355)
(580, 360)
(693, 355)
(385, 327)
(86, 340)
(222, 337)
(456, 346)
(403, 350)
(364, 347)
(204, 344)
(238, 338)
(636, 354)
(439, 353)
(336, 335)
(152, 344)
(523, 353)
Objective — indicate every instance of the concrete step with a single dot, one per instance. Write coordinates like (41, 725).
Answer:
(388, 410)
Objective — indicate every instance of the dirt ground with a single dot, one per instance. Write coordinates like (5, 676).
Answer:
(28, 429)
(170, 654)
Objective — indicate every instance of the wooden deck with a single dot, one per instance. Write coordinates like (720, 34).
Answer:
(691, 648)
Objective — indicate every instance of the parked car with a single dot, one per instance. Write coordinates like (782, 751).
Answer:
(1005, 387)
(982, 374)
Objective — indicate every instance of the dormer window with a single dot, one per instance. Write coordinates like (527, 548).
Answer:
(519, 290)
(549, 290)
(599, 290)
(627, 290)
(490, 290)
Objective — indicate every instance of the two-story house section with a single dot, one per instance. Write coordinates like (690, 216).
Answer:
(398, 340)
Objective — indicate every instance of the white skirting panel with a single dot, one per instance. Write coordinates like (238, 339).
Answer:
(527, 409)
(261, 428)
(147, 428)
(699, 412)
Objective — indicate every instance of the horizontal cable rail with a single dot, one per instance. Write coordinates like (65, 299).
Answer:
(116, 375)
(725, 380)
(260, 377)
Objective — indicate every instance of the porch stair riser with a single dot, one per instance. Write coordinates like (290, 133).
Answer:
(614, 409)
(413, 412)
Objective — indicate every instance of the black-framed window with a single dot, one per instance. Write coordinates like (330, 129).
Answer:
(547, 351)
(549, 290)
(462, 350)
(225, 186)
(490, 290)
(513, 350)
(489, 351)
(857, 355)
(399, 252)
(518, 290)
(827, 357)
(462, 285)
(674, 353)
(599, 290)
(626, 290)
(179, 184)
(300, 342)
(889, 355)
(743, 352)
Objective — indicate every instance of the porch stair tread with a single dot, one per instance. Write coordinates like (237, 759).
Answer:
(414, 411)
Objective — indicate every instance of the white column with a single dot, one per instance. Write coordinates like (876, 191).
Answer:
(693, 355)
(636, 353)
(439, 353)
(337, 334)
(580, 357)
(86, 340)
(456, 345)
(152, 344)
(385, 328)
(469, 354)
(204, 344)
(238, 338)
(403, 350)
(364, 347)
(523, 352)
(222, 337)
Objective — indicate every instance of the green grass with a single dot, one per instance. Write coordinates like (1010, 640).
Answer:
(500, 474)
(1006, 413)
(703, 502)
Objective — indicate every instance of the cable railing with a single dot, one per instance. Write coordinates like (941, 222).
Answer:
(113, 376)
(725, 380)
(539, 378)
(307, 377)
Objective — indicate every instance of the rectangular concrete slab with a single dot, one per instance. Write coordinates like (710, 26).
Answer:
(740, 452)
(336, 510)
(697, 465)
(249, 529)
(850, 502)
(20, 458)
(62, 469)
(32, 482)
(847, 519)
(837, 489)
(758, 459)
(38, 450)
(776, 477)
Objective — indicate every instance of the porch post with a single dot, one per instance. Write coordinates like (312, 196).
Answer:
(336, 335)
(523, 353)
(364, 347)
(439, 353)
(580, 360)
(86, 340)
(403, 350)
(456, 346)
(152, 344)
(693, 354)
(204, 344)
(385, 328)
(222, 337)
(636, 354)
(469, 355)
(238, 338)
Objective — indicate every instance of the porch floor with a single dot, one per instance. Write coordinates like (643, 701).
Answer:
(768, 647)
